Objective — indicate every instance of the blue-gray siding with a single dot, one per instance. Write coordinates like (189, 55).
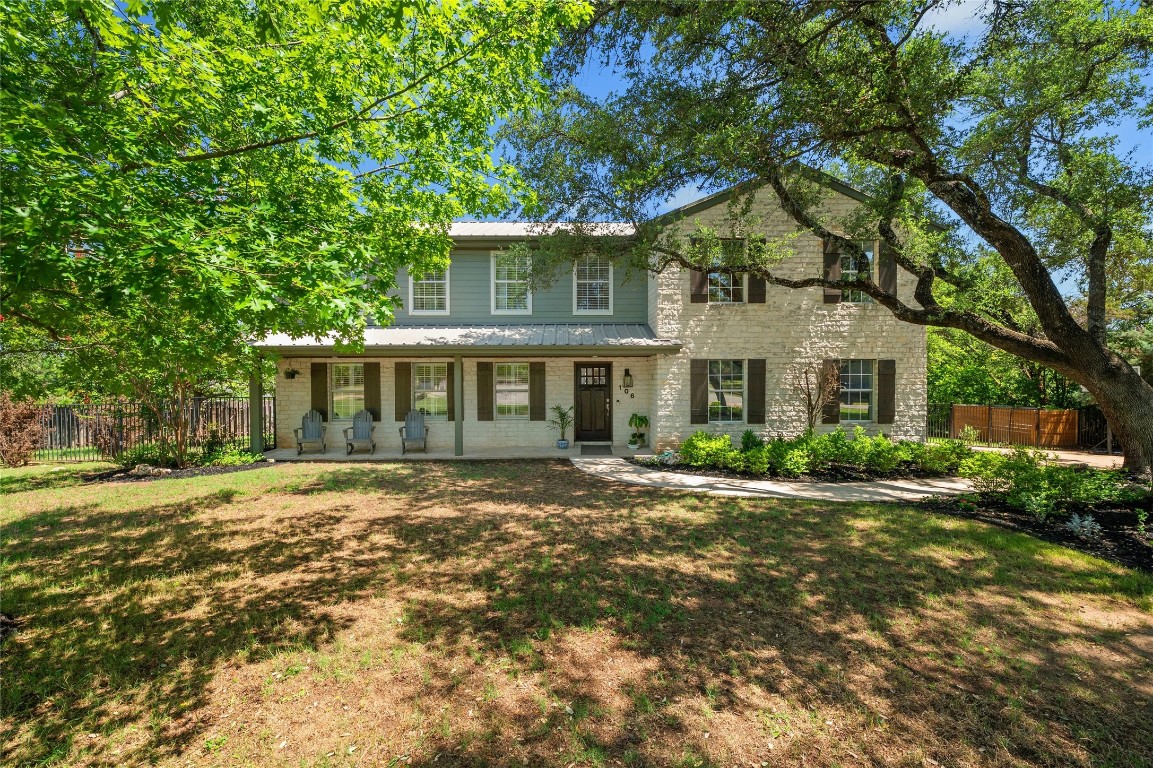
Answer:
(470, 298)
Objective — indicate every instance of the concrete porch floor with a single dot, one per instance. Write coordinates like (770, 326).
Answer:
(336, 453)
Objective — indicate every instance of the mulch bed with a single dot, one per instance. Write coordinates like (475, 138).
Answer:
(1121, 540)
(835, 474)
(124, 476)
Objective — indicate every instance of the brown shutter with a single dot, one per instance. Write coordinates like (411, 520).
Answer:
(451, 393)
(484, 392)
(699, 391)
(402, 391)
(887, 270)
(372, 389)
(831, 411)
(832, 271)
(698, 287)
(756, 290)
(755, 391)
(320, 389)
(536, 377)
(886, 391)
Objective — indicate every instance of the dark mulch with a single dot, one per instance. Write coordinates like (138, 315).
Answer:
(834, 474)
(124, 476)
(1121, 539)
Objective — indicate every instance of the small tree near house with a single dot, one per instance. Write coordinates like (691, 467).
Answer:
(815, 385)
(20, 430)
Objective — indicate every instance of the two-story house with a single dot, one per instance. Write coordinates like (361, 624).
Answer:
(485, 355)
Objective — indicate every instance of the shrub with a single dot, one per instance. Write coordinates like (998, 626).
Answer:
(228, 457)
(757, 460)
(986, 470)
(20, 430)
(1085, 527)
(797, 461)
(946, 457)
(705, 450)
(750, 440)
(156, 454)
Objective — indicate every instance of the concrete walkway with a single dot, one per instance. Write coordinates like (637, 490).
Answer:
(1095, 460)
(620, 470)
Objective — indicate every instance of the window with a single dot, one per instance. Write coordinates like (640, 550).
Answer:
(856, 390)
(849, 272)
(429, 294)
(726, 286)
(726, 390)
(511, 383)
(347, 390)
(593, 286)
(430, 389)
(510, 293)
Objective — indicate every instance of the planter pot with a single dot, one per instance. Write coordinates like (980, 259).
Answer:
(562, 444)
(634, 446)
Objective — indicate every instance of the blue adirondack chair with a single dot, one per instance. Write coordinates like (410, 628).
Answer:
(414, 433)
(310, 431)
(360, 434)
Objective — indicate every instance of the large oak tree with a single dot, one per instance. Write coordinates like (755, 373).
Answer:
(1005, 137)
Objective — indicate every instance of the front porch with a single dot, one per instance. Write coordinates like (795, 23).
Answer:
(480, 453)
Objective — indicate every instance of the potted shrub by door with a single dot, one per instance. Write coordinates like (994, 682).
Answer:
(638, 422)
(561, 420)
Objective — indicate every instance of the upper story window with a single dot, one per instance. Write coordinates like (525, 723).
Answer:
(727, 286)
(856, 390)
(429, 294)
(593, 286)
(849, 272)
(510, 288)
(347, 390)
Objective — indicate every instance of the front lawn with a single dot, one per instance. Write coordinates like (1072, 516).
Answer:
(525, 613)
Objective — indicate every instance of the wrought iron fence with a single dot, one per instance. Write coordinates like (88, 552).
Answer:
(1081, 428)
(91, 432)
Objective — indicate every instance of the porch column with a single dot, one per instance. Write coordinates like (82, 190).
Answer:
(458, 403)
(256, 409)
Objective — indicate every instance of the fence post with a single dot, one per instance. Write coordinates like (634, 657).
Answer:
(256, 410)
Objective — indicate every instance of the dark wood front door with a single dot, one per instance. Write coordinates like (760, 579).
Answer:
(594, 407)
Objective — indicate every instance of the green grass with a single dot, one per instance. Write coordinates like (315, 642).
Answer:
(512, 613)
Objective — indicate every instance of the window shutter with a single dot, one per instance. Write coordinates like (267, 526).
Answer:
(319, 375)
(887, 270)
(831, 411)
(699, 391)
(536, 377)
(402, 391)
(372, 389)
(755, 391)
(698, 287)
(451, 393)
(484, 392)
(886, 391)
(756, 290)
(832, 271)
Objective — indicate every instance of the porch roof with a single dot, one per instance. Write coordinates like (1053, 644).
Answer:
(540, 339)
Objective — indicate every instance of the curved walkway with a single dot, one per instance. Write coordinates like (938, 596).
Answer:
(615, 468)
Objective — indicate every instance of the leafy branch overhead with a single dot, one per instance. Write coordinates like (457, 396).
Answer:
(991, 154)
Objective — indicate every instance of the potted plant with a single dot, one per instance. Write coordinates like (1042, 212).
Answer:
(291, 373)
(638, 422)
(561, 420)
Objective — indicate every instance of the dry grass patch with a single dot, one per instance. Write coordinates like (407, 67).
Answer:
(512, 613)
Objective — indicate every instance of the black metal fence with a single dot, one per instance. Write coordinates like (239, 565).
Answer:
(1092, 430)
(92, 432)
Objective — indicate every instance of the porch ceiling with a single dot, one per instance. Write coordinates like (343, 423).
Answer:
(539, 339)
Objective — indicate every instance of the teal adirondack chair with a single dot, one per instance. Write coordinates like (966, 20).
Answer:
(360, 434)
(310, 431)
(414, 433)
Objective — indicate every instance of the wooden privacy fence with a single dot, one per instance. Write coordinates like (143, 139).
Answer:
(94, 431)
(1037, 427)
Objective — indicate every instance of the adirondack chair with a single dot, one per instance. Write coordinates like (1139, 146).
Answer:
(311, 430)
(414, 433)
(360, 434)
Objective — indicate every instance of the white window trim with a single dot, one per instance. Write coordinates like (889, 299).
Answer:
(744, 289)
(447, 296)
(496, 388)
(872, 394)
(612, 280)
(744, 389)
(412, 388)
(492, 292)
(332, 391)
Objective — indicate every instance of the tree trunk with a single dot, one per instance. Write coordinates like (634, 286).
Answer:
(1127, 402)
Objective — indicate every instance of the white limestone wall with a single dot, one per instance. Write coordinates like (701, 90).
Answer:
(792, 328)
(294, 399)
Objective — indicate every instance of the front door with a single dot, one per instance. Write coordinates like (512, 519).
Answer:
(594, 407)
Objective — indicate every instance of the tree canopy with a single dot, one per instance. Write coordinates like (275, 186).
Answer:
(254, 168)
(1006, 138)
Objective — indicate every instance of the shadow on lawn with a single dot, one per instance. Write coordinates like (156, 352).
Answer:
(129, 615)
